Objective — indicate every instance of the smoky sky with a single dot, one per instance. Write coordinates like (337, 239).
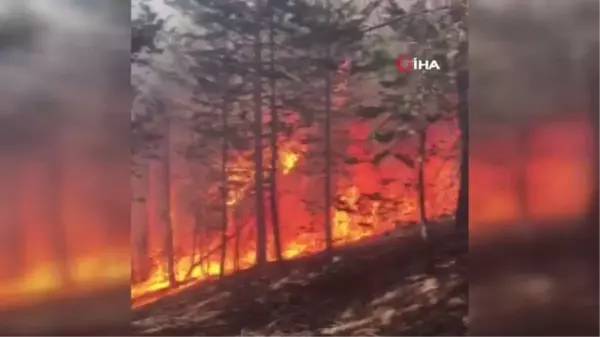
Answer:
(529, 57)
(58, 57)
(64, 104)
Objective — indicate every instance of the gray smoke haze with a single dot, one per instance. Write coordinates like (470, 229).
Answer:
(64, 159)
(530, 57)
(46, 43)
(66, 53)
(533, 65)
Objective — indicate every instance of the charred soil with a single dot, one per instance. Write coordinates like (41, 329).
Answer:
(389, 285)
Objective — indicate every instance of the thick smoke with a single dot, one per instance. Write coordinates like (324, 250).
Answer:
(533, 167)
(529, 57)
(64, 157)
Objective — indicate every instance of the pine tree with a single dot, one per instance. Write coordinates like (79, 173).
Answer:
(414, 100)
(140, 254)
(326, 34)
(261, 228)
(146, 134)
(145, 140)
(296, 57)
(165, 160)
(222, 48)
(274, 192)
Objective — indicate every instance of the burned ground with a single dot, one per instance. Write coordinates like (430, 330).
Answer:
(380, 286)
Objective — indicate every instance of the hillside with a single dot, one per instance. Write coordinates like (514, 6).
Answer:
(380, 286)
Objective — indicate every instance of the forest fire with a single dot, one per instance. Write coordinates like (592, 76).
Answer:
(493, 200)
(86, 274)
(361, 217)
(288, 161)
(547, 177)
(42, 266)
(301, 232)
(369, 200)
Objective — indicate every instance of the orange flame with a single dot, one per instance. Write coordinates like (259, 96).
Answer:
(300, 230)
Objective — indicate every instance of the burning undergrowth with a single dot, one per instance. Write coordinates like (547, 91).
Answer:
(390, 294)
(369, 200)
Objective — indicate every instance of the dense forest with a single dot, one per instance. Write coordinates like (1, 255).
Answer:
(288, 178)
(268, 132)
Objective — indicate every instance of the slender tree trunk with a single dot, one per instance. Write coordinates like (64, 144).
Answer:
(166, 213)
(462, 207)
(194, 245)
(421, 186)
(328, 152)
(261, 233)
(225, 183)
(421, 182)
(142, 237)
(274, 149)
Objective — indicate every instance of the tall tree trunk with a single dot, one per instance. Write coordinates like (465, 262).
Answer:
(462, 207)
(144, 241)
(261, 233)
(225, 182)
(140, 257)
(166, 204)
(194, 245)
(274, 149)
(327, 137)
(421, 181)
